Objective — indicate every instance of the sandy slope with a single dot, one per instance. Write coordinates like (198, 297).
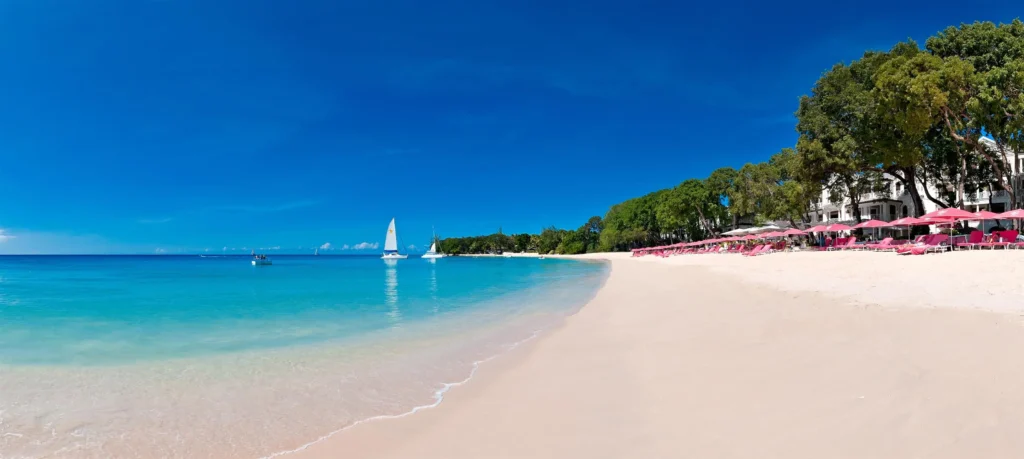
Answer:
(721, 356)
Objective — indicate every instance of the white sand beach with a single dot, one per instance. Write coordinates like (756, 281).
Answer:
(802, 355)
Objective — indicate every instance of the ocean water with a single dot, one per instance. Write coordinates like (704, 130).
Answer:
(166, 356)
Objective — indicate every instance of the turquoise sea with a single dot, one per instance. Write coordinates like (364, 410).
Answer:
(170, 356)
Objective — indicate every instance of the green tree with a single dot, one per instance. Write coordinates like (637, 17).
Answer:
(974, 78)
(720, 185)
(549, 240)
(522, 242)
(838, 126)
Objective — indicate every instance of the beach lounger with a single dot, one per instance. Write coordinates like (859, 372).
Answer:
(852, 245)
(990, 241)
(844, 244)
(932, 244)
(1006, 238)
(975, 238)
(886, 243)
(755, 251)
(919, 242)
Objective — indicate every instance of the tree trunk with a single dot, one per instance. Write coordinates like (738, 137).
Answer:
(936, 201)
(910, 174)
(960, 191)
(1009, 174)
(854, 201)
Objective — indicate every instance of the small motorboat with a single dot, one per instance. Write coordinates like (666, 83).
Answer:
(261, 260)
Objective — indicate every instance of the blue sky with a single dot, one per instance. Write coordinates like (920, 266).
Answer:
(169, 126)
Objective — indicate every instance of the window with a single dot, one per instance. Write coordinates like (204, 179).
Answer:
(833, 216)
(906, 213)
(998, 207)
(899, 187)
(892, 211)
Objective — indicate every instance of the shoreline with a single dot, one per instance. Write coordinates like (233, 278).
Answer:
(439, 395)
(548, 397)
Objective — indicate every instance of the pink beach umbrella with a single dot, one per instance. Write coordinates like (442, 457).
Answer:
(836, 228)
(910, 221)
(1012, 215)
(872, 224)
(1015, 215)
(951, 213)
(986, 215)
(983, 215)
(815, 229)
(793, 232)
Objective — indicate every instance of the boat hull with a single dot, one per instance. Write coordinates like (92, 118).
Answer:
(262, 263)
(393, 256)
(430, 256)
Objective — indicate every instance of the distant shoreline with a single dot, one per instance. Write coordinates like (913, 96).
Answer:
(504, 255)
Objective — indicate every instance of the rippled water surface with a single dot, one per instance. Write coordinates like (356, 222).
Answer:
(212, 357)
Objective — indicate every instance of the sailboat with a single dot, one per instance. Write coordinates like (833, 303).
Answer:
(433, 253)
(316, 252)
(391, 244)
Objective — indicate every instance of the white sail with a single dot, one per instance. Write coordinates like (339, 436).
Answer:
(391, 242)
(433, 248)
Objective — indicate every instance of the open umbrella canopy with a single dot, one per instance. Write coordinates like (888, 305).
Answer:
(871, 224)
(750, 237)
(1012, 215)
(815, 229)
(911, 221)
(986, 215)
(793, 232)
(952, 213)
(773, 234)
(837, 227)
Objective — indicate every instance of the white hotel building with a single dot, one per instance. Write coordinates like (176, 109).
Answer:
(897, 203)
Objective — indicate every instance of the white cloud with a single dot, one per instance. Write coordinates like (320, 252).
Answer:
(412, 247)
(366, 246)
(4, 237)
(159, 250)
(326, 246)
(345, 247)
(276, 247)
